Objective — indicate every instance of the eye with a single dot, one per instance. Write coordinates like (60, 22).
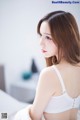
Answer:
(48, 38)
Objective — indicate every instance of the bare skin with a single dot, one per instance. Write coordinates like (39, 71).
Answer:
(68, 115)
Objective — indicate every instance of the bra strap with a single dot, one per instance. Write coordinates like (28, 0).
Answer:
(60, 78)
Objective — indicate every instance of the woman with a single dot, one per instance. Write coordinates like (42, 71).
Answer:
(58, 91)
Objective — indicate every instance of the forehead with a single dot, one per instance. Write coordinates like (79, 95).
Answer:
(44, 28)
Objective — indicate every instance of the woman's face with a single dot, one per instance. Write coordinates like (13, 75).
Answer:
(48, 47)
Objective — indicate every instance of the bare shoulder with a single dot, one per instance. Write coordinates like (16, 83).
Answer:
(47, 80)
(47, 72)
(48, 75)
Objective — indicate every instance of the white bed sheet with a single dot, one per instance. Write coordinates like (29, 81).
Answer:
(10, 105)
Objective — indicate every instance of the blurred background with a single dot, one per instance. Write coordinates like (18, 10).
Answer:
(20, 57)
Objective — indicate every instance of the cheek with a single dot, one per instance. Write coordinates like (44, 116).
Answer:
(53, 48)
(52, 45)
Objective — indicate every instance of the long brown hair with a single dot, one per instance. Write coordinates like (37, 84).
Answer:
(65, 34)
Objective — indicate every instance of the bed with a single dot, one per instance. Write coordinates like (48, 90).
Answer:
(10, 105)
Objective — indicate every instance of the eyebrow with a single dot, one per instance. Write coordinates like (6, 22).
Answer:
(47, 34)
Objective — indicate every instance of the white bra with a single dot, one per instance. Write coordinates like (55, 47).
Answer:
(63, 102)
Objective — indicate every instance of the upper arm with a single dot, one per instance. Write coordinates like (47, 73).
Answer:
(45, 90)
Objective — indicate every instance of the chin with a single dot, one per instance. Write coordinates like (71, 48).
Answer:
(47, 56)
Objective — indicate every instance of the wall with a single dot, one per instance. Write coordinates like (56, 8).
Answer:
(18, 37)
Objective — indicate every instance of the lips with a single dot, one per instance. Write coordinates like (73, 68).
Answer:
(44, 51)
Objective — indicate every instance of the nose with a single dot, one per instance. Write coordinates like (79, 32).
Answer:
(41, 41)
